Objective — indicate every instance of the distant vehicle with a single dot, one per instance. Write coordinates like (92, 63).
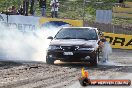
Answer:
(74, 44)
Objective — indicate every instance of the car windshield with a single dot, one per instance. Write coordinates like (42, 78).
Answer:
(77, 33)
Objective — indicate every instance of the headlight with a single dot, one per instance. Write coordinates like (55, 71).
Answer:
(53, 47)
(91, 49)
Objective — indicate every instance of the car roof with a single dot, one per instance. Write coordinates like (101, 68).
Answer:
(92, 28)
(81, 27)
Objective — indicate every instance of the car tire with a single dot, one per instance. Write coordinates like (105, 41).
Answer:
(98, 53)
(95, 59)
(49, 60)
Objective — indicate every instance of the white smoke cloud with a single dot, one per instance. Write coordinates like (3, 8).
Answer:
(30, 46)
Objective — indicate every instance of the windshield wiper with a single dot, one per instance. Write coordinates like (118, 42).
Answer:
(73, 38)
(65, 38)
(83, 38)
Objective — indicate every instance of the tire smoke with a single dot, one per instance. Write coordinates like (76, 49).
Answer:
(25, 46)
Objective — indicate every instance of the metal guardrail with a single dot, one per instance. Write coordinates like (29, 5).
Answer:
(118, 29)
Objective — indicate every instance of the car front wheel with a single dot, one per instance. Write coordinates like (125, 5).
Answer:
(49, 60)
(95, 59)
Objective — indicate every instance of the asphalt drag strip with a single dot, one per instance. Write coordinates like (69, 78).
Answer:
(18, 74)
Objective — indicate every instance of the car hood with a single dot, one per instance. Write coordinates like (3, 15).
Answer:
(70, 42)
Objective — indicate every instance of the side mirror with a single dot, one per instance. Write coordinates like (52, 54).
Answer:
(100, 33)
(50, 37)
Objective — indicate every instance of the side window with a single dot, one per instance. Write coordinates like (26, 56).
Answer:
(93, 35)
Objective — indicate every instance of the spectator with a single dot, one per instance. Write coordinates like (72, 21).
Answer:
(54, 8)
(13, 10)
(20, 10)
(25, 7)
(9, 10)
(42, 4)
(121, 1)
(33, 7)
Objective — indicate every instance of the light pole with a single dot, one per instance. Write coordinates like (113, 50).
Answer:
(7, 11)
(84, 2)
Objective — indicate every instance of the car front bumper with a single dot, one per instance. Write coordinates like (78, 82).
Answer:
(71, 55)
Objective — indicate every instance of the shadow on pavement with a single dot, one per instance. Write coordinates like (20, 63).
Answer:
(8, 64)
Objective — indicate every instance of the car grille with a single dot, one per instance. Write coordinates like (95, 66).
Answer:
(69, 48)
